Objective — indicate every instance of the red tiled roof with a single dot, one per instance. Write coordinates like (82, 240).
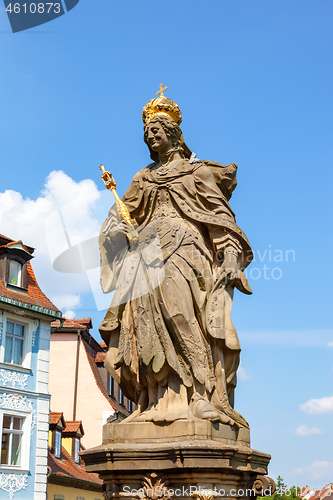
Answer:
(100, 357)
(67, 468)
(34, 297)
(55, 417)
(326, 492)
(87, 322)
(73, 426)
(73, 323)
(103, 344)
(68, 323)
(315, 496)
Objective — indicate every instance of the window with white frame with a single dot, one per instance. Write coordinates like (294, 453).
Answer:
(15, 273)
(77, 450)
(14, 344)
(16, 341)
(11, 440)
(57, 444)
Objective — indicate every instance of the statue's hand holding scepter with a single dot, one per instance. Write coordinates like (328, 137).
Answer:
(122, 210)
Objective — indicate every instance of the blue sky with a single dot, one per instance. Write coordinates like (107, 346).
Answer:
(253, 79)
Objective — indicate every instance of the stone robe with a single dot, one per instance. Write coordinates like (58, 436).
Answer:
(170, 313)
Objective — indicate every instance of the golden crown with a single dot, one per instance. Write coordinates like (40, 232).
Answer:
(161, 105)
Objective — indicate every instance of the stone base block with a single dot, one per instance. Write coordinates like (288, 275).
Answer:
(187, 458)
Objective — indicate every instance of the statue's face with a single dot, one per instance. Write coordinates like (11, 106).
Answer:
(156, 138)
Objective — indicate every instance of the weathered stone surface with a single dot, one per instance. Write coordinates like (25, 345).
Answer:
(180, 430)
(195, 454)
(173, 348)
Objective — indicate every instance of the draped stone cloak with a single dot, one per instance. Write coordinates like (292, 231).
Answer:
(198, 224)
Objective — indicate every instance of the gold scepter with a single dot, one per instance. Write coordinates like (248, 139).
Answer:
(122, 210)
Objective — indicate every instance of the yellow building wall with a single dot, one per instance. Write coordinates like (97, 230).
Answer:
(71, 493)
(67, 444)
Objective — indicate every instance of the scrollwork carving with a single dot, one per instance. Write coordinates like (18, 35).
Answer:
(35, 325)
(34, 420)
(11, 483)
(263, 486)
(15, 402)
(13, 378)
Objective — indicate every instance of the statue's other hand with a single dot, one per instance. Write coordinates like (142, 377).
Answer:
(229, 273)
(235, 277)
(229, 268)
(119, 231)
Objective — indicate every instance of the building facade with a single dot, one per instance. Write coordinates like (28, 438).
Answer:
(79, 383)
(67, 478)
(25, 322)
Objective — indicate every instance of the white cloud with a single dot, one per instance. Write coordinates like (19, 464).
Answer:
(243, 374)
(330, 344)
(69, 314)
(304, 430)
(317, 469)
(66, 301)
(65, 214)
(318, 406)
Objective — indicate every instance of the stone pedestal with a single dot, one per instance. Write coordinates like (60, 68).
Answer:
(188, 458)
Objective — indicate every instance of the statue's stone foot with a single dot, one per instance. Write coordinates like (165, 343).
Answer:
(147, 415)
(171, 415)
(202, 408)
(160, 415)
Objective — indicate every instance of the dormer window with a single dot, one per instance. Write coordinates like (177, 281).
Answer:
(14, 256)
(57, 444)
(71, 438)
(77, 445)
(57, 426)
(15, 273)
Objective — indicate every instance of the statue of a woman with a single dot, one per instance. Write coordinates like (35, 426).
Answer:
(172, 346)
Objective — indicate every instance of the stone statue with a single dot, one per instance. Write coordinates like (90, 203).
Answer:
(172, 346)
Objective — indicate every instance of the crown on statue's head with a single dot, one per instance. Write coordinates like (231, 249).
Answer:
(161, 105)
